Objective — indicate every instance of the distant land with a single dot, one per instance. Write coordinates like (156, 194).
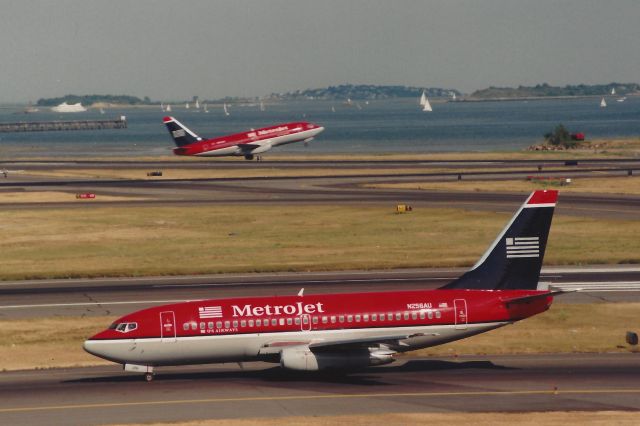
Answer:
(545, 90)
(373, 92)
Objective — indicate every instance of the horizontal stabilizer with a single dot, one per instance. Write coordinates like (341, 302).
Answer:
(526, 299)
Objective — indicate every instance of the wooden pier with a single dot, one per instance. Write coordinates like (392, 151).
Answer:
(48, 126)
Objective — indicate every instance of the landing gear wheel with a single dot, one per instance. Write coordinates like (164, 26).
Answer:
(148, 377)
(248, 157)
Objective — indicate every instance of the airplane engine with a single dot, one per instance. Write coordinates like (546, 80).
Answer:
(262, 148)
(303, 359)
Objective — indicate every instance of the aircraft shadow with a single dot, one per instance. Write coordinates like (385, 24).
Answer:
(368, 376)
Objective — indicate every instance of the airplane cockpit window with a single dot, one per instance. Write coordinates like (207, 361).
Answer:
(124, 327)
(113, 326)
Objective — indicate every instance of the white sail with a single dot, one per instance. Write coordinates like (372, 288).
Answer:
(226, 111)
(427, 106)
(603, 103)
(423, 99)
(205, 108)
(186, 106)
(161, 106)
(262, 106)
(613, 90)
(453, 96)
(197, 104)
(168, 109)
(333, 109)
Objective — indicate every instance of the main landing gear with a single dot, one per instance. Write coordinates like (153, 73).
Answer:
(250, 157)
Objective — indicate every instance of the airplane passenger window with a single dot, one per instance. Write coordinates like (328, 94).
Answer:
(202, 325)
(430, 314)
(349, 318)
(305, 319)
(421, 314)
(437, 314)
(218, 324)
(243, 323)
(235, 324)
(341, 318)
(398, 316)
(358, 318)
(390, 316)
(382, 318)
(250, 323)
(414, 315)
(281, 321)
(258, 323)
(366, 317)
(315, 320)
(289, 321)
(194, 325)
(325, 320)
(406, 315)
(297, 321)
(227, 324)
(374, 317)
(210, 325)
(274, 321)
(185, 326)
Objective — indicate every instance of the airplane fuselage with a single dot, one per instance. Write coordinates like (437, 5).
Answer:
(251, 142)
(250, 329)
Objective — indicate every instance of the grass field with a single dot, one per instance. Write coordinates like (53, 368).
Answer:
(565, 328)
(595, 185)
(142, 241)
(548, 418)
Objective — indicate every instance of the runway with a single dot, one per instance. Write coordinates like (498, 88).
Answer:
(335, 188)
(114, 296)
(104, 395)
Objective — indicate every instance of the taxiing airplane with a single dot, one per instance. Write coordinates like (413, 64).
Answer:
(343, 331)
(245, 144)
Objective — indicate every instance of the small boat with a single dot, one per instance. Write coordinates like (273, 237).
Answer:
(262, 106)
(197, 104)
(226, 111)
(603, 103)
(453, 96)
(423, 99)
(186, 106)
(427, 106)
(205, 108)
(622, 99)
(613, 90)
(168, 108)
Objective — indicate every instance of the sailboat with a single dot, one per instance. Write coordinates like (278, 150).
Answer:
(168, 109)
(162, 106)
(333, 109)
(613, 90)
(453, 96)
(262, 106)
(603, 104)
(197, 104)
(427, 106)
(423, 99)
(205, 108)
(186, 106)
(226, 111)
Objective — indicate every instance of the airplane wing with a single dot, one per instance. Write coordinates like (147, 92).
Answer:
(248, 146)
(340, 344)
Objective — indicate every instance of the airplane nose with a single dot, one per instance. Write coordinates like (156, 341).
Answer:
(91, 347)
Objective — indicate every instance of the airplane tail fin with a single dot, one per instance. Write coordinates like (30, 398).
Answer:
(180, 133)
(514, 259)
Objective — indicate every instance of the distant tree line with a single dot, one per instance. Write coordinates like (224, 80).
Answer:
(92, 99)
(364, 92)
(542, 90)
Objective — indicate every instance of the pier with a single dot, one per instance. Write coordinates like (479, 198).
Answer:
(48, 126)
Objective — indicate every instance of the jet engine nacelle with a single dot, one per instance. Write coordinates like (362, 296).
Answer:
(306, 360)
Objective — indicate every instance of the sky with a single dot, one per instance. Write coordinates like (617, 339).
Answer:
(173, 50)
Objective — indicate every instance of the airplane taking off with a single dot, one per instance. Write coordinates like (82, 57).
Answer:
(342, 331)
(245, 144)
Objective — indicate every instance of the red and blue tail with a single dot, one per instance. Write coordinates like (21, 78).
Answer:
(514, 259)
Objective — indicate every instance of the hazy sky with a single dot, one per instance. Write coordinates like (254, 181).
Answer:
(177, 49)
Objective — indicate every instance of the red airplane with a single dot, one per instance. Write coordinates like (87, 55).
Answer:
(341, 331)
(245, 144)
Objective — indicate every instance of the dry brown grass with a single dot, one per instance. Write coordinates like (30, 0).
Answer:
(565, 328)
(549, 418)
(55, 197)
(142, 241)
(616, 185)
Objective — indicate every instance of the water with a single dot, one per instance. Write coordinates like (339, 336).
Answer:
(378, 127)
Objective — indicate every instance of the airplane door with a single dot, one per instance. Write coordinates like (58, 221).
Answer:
(167, 327)
(460, 308)
(305, 322)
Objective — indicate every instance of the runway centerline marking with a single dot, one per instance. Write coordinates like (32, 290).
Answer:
(334, 396)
